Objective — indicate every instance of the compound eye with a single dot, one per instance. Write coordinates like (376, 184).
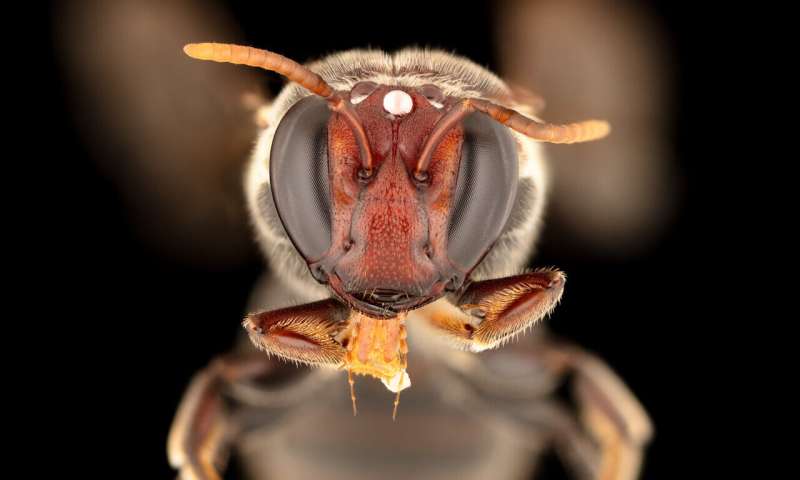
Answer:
(485, 190)
(298, 174)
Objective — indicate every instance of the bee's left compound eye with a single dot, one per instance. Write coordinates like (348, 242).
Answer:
(299, 176)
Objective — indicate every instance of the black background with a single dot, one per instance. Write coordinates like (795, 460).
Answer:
(130, 327)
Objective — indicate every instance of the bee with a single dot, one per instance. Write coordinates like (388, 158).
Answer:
(397, 198)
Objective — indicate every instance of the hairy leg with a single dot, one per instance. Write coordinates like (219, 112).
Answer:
(199, 437)
(491, 312)
(610, 430)
(304, 333)
(607, 409)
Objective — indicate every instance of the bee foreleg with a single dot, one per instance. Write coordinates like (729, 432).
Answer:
(304, 333)
(497, 310)
(198, 439)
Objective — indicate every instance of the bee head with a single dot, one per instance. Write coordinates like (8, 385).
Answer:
(392, 194)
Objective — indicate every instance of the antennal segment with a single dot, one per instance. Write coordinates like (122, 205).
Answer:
(579, 132)
(254, 57)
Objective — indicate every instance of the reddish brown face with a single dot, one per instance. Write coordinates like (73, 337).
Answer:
(385, 240)
(389, 230)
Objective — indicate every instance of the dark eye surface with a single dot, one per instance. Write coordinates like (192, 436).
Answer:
(485, 190)
(298, 174)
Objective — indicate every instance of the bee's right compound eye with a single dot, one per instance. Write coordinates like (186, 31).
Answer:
(298, 173)
(485, 190)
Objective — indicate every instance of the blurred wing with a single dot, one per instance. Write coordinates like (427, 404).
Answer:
(172, 133)
(598, 59)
